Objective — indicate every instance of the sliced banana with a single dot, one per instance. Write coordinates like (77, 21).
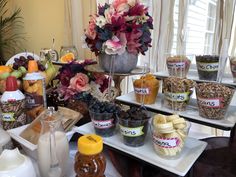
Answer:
(178, 121)
(172, 117)
(159, 119)
(180, 126)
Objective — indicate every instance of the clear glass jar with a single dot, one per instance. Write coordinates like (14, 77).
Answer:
(168, 135)
(68, 54)
(53, 146)
(178, 65)
(89, 160)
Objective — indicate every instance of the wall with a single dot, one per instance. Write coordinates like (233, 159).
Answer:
(43, 21)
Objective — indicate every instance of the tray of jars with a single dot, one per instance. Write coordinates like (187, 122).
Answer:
(180, 166)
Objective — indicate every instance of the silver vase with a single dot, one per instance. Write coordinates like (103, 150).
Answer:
(123, 63)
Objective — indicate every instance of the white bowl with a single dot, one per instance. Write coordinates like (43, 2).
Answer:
(29, 148)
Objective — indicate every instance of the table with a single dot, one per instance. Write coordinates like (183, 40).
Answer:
(117, 77)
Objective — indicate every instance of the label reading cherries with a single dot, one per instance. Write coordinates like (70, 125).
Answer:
(179, 97)
(176, 65)
(166, 142)
(207, 66)
(210, 102)
(142, 91)
(103, 124)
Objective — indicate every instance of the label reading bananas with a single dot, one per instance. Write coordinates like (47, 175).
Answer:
(176, 65)
(211, 102)
(141, 91)
(103, 124)
(207, 66)
(131, 132)
(166, 142)
(178, 97)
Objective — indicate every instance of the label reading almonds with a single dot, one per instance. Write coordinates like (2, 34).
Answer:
(166, 142)
(176, 65)
(131, 132)
(178, 97)
(207, 66)
(103, 124)
(210, 102)
(142, 91)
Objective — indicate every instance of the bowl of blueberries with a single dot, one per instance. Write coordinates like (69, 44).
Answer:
(134, 125)
(104, 117)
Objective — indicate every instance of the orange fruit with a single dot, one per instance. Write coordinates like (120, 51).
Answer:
(67, 58)
(4, 69)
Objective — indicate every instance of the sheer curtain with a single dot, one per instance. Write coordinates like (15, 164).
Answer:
(76, 20)
(162, 38)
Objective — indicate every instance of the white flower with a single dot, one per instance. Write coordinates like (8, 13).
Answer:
(143, 18)
(101, 21)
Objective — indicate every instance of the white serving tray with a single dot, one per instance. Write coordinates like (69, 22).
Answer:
(191, 112)
(193, 75)
(192, 150)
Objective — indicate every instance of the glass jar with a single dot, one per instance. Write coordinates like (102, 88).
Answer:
(53, 54)
(68, 54)
(89, 161)
(53, 146)
(178, 65)
(168, 135)
(233, 67)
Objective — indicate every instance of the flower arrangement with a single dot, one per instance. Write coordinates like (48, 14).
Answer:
(75, 79)
(120, 26)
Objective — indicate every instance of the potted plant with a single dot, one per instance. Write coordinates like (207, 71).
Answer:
(10, 37)
(121, 31)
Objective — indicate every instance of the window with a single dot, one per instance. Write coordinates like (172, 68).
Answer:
(201, 16)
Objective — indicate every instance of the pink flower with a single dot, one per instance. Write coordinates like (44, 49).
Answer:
(109, 13)
(80, 82)
(117, 3)
(91, 30)
(116, 45)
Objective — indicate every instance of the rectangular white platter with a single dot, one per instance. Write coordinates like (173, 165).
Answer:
(192, 150)
(191, 112)
(193, 75)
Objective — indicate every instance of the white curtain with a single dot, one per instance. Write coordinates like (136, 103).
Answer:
(182, 30)
(76, 20)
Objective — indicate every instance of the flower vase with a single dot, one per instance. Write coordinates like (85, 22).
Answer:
(123, 63)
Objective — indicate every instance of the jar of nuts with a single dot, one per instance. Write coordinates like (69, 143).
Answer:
(213, 100)
(177, 92)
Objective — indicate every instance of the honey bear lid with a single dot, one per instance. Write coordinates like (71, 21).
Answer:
(90, 144)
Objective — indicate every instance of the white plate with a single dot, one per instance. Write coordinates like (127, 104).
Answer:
(191, 112)
(192, 150)
(25, 54)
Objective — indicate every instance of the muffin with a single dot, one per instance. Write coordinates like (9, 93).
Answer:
(146, 89)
